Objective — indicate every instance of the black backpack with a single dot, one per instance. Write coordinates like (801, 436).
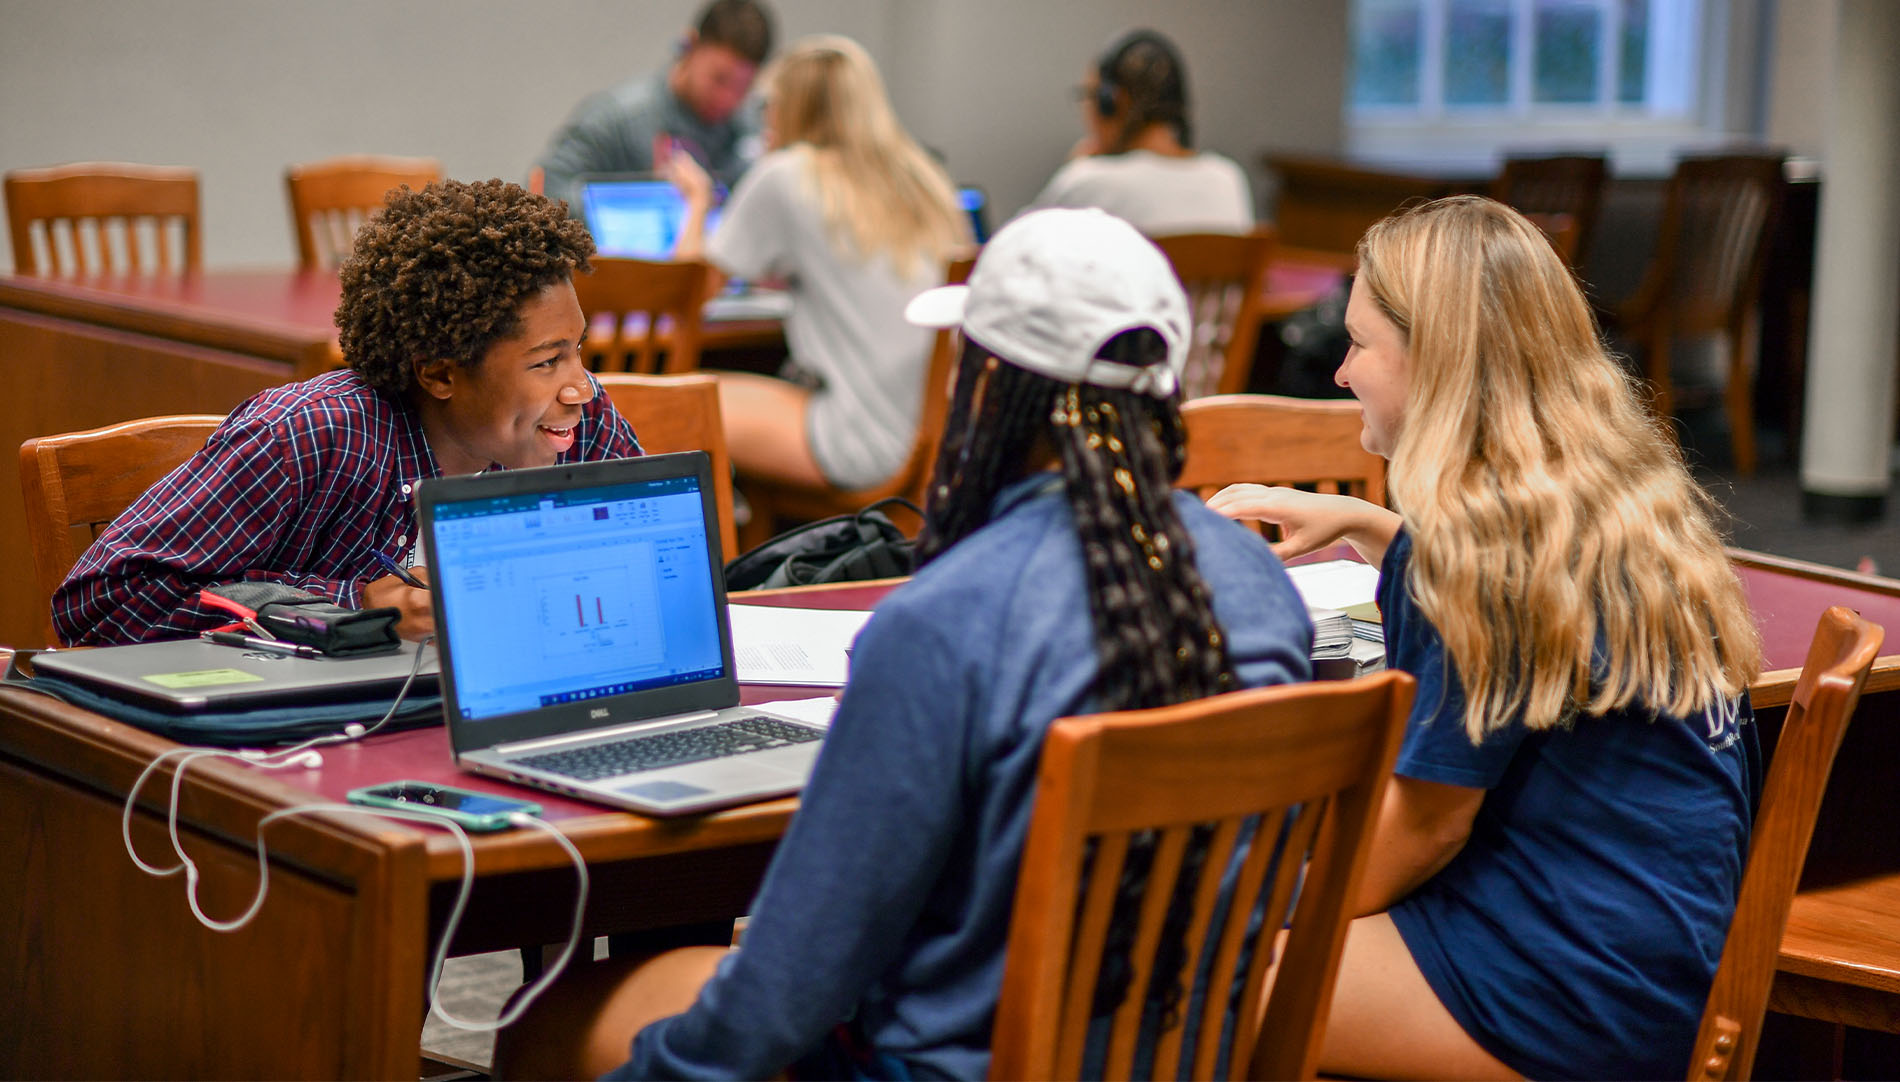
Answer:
(843, 548)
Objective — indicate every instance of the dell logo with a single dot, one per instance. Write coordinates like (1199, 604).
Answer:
(597, 713)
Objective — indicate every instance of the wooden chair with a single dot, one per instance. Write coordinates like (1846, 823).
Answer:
(75, 484)
(148, 203)
(770, 500)
(1225, 277)
(1705, 279)
(680, 412)
(1550, 190)
(1824, 698)
(1271, 440)
(331, 199)
(1308, 761)
(643, 316)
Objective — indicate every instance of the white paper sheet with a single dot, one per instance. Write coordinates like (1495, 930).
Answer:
(816, 711)
(809, 647)
(1336, 584)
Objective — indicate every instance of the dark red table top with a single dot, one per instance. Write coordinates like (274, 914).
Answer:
(423, 754)
(300, 302)
(1787, 605)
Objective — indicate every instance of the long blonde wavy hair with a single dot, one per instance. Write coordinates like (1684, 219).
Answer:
(1547, 506)
(879, 191)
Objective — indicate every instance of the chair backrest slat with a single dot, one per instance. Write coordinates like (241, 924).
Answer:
(1225, 277)
(1839, 659)
(1220, 853)
(103, 198)
(1273, 440)
(643, 316)
(76, 483)
(331, 199)
(1297, 772)
(1562, 194)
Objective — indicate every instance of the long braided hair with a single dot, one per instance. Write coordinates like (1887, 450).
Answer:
(1157, 641)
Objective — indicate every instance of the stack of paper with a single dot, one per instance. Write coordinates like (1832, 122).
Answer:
(1341, 597)
(1332, 632)
(1365, 621)
(1368, 655)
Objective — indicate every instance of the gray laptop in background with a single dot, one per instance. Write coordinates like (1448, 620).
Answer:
(191, 675)
(586, 650)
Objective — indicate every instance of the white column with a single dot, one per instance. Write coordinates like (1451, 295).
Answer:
(1847, 422)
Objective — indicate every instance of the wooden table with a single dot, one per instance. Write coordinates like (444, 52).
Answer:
(109, 976)
(114, 978)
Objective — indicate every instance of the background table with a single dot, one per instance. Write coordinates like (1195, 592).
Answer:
(78, 353)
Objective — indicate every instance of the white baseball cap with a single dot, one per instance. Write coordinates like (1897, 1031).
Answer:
(1053, 286)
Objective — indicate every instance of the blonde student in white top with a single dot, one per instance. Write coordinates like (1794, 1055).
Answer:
(856, 219)
(1136, 160)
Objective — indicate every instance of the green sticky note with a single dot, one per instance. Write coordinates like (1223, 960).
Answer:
(201, 678)
(1365, 610)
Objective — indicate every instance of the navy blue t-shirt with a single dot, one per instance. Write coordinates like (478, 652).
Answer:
(1577, 932)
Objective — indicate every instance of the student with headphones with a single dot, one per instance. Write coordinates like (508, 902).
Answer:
(1136, 160)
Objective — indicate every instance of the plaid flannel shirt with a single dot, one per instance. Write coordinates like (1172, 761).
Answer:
(297, 486)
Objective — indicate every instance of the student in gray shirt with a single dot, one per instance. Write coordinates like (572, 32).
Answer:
(697, 105)
(1137, 160)
(856, 219)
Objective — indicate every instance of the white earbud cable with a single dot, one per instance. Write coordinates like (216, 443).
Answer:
(294, 756)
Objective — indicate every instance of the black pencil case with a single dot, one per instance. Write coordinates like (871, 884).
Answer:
(299, 616)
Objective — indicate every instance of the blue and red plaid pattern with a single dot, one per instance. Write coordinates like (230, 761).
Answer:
(297, 486)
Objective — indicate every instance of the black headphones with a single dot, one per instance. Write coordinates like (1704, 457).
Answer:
(1111, 58)
(1161, 98)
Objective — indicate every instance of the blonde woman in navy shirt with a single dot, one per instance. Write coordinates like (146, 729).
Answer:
(1558, 857)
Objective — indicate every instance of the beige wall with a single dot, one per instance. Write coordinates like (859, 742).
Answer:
(1799, 78)
(241, 88)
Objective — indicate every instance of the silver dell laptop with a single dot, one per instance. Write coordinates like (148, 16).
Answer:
(581, 616)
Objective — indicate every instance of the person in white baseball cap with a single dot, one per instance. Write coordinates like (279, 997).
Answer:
(1055, 286)
(1062, 575)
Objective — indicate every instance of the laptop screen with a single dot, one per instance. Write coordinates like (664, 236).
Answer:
(636, 219)
(577, 584)
(977, 205)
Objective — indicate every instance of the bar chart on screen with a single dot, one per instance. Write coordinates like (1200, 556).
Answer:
(584, 610)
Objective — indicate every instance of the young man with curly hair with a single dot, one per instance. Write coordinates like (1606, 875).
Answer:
(462, 333)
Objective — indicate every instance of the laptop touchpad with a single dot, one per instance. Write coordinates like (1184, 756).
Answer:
(662, 791)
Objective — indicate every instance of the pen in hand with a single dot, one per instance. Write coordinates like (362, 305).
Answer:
(397, 569)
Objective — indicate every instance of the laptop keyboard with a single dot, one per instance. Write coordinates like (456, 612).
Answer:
(735, 737)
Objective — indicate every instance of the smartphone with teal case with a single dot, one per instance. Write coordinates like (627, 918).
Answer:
(475, 811)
